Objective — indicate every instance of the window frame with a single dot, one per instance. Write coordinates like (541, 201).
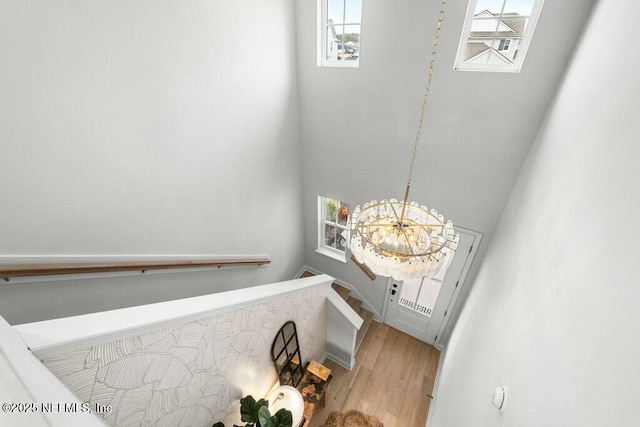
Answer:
(518, 60)
(322, 248)
(323, 25)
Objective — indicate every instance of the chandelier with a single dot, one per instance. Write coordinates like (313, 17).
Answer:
(400, 239)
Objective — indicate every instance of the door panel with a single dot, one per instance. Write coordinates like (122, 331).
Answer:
(418, 307)
(401, 310)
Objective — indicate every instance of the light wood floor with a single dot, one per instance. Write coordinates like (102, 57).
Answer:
(392, 379)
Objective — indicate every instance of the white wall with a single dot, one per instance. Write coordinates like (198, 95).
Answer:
(553, 315)
(147, 128)
(359, 123)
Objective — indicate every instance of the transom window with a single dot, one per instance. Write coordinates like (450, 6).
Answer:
(496, 34)
(332, 227)
(340, 28)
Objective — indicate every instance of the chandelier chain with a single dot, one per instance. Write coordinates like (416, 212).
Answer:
(434, 47)
(422, 244)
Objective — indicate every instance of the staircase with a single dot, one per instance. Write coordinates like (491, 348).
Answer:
(354, 303)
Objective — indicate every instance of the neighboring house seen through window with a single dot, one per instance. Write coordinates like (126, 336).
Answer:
(340, 24)
(332, 228)
(496, 34)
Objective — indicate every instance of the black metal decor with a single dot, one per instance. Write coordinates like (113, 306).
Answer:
(285, 353)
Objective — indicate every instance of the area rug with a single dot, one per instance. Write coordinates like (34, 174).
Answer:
(351, 418)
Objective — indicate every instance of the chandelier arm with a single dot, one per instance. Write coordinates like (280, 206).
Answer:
(404, 205)
(439, 224)
(400, 255)
(377, 224)
(394, 212)
(406, 198)
(407, 239)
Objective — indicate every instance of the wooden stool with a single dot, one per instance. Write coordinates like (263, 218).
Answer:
(314, 388)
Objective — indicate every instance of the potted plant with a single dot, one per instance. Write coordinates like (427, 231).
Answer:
(256, 414)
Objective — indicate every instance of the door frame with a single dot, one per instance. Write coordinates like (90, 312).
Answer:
(477, 238)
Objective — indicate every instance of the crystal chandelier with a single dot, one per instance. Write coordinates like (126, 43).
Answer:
(400, 239)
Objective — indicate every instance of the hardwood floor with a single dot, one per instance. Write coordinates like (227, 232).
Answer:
(392, 379)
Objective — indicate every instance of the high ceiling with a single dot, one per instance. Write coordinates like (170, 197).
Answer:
(359, 123)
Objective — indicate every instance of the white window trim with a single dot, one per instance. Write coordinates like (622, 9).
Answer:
(516, 66)
(322, 248)
(322, 39)
(332, 253)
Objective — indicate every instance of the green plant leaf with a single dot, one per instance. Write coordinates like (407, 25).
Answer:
(266, 420)
(249, 409)
(247, 404)
(284, 417)
(262, 403)
(218, 425)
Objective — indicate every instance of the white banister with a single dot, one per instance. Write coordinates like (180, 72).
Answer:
(52, 337)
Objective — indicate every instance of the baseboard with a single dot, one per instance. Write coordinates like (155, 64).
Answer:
(436, 382)
(338, 360)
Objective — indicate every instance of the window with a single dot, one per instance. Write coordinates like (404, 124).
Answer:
(420, 295)
(339, 35)
(496, 34)
(332, 228)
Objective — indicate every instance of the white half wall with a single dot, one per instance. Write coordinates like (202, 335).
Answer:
(147, 128)
(553, 314)
(343, 324)
(185, 362)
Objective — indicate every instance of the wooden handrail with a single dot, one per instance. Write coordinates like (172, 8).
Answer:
(366, 270)
(7, 271)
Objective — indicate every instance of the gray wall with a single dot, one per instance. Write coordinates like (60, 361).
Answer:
(147, 128)
(553, 314)
(359, 123)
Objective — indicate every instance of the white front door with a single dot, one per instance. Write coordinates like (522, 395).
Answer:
(420, 307)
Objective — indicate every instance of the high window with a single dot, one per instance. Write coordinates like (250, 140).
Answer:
(332, 228)
(339, 32)
(496, 34)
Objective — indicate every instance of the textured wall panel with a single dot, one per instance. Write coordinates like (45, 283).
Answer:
(193, 374)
